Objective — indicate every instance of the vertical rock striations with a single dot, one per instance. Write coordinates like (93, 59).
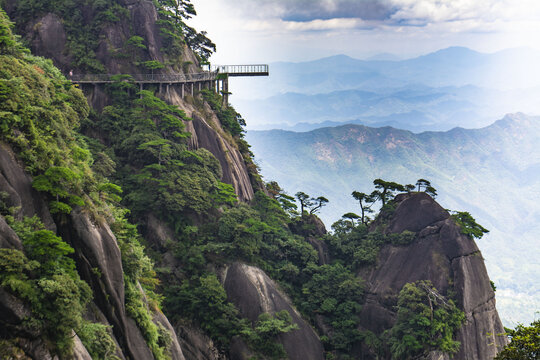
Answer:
(446, 257)
(254, 293)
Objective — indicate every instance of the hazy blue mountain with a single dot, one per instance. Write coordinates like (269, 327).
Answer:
(384, 57)
(454, 66)
(493, 172)
(448, 88)
(414, 107)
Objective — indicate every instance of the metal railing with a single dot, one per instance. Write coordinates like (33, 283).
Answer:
(258, 69)
(229, 70)
(150, 78)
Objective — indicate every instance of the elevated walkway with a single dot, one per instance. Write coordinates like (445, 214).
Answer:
(217, 78)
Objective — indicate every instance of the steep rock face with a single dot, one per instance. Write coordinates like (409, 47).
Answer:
(254, 293)
(47, 37)
(449, 260)
(232, 164)
(97, 249)
(98, 261)
(196, 345)
(20, 194)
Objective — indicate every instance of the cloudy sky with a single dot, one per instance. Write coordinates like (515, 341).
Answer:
(295, 30)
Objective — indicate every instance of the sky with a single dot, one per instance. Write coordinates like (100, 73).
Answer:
(264, 31)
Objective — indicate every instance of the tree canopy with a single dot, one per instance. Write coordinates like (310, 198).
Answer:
(524, 343)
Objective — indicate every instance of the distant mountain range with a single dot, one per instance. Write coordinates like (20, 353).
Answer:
(493, 172)
(451, 87)
(414, 107)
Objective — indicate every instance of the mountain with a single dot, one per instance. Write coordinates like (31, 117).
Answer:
(134, 223)
(414, 107)
(448, 88)
(384, 57)
(490, 172)
(454, 66)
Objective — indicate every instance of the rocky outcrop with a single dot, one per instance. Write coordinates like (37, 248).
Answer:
(18, 192)
(8, 238)
(308, 226)
(450, 260)
(196, 345)
(98, 261)
(312, 229)
(254, 293)
(233, 167)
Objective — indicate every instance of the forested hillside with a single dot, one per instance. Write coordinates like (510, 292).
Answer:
(135, 224)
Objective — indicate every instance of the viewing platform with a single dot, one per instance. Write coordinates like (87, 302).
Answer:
(216, 77)
(241, 70)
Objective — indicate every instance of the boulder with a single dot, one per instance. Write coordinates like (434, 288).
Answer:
(415, 212)
(174, 350)
(254, 293)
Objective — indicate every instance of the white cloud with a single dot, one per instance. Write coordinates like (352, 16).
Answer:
(282, 26)
(431, 11)
(264, 30)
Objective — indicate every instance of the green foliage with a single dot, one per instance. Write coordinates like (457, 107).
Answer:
(150, 152)
(172, 15)
(141, 301)
(138, 309)
(524, 343)
(8, 41)
(384, 190)
(204, 301)
(83, 31)
(468, 225)
(136, 41)
(357, 247)
(59, 181)
(62, 302)
(286, 201)
(97, 339)
(230, 120)
(152, 65)
(365, 201)
(313, 204)
(263, 336)
(39, 111)
(336, 293)
(47, 280)
(426, 321)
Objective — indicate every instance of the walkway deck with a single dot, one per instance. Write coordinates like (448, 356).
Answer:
(214, 74)
(216, 78)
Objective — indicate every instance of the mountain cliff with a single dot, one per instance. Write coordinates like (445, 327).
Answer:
(450, 260)
(135, 226)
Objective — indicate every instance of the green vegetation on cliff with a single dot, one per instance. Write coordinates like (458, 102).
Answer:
(130, 163)
(41, 112)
